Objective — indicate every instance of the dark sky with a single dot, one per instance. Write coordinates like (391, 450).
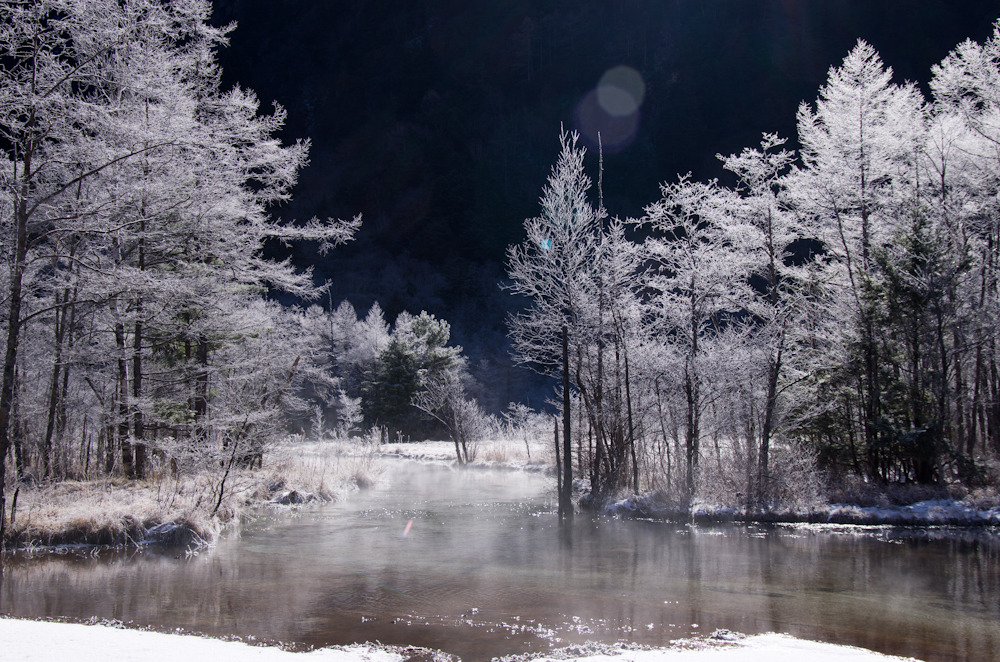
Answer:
(438, 120)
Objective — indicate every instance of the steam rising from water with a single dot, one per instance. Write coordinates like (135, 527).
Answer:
(485, 570)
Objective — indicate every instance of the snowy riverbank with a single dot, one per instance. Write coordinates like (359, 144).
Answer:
(186, 511)
(511, 455)
(30, 641)
(930, 512)
(171, 511)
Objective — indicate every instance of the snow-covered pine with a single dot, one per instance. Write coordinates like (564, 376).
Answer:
(857, 185)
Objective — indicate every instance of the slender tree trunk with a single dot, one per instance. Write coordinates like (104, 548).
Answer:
(70, 326)
(138, 425)
(631, 426)
(59, 315)
(17, 439)
(665, 448)
(764, 454)
(993, 409)
(579, 439)
(17, 267)
(107, 438)
(566, 494)
(458, 450)
(692, 433)
(965, 436)
(124, 445)
(559, 476)
(85, 451)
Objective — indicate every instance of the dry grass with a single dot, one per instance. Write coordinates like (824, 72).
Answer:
(108, 512)
(514, 452)
(183, 510)
(326, 469)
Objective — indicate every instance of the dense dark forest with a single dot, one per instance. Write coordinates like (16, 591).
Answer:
(438, 120)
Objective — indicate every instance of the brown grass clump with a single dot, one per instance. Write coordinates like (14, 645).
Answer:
(512, 451)
(105, 512)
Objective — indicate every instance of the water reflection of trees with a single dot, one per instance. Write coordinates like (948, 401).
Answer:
(931, 595)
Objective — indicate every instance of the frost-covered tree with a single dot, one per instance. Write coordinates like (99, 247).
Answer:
(964, 172)
(580, 275)
(134, 212)
(773, 230)
(443, 396)
(838, 310)
(357, 343)
(604, 358)
(857, 185)
(553, 268)
(60, 132)
(702, 256)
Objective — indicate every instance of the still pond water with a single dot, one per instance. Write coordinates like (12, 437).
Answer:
(485, 570)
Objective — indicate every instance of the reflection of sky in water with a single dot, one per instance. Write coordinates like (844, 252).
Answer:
(485, 570)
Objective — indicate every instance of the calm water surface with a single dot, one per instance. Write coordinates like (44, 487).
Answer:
(486, 570)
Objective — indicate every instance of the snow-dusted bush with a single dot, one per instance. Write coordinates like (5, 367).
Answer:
(797, 483)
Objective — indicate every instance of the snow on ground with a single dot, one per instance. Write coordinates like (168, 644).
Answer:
(28, 641)
(936, 512)
(511, 454)
(487, 454)
(758, 648)
(426, 451)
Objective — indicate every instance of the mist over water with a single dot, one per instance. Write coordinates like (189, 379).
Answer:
(485, 569)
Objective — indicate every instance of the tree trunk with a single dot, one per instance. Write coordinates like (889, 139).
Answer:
(559, 479)
(55, 384)
(566, 486)
(124, 445)
(631, 426)
(138, 429)
(17, 266)
(763, 458)
(458, 450)
(566, 493)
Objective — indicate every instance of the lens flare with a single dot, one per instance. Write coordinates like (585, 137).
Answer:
(613, 133)
(621, 91)
(609, 114)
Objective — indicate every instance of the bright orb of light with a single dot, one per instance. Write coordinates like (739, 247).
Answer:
(612, 133)
(608, 116)
(620, 91)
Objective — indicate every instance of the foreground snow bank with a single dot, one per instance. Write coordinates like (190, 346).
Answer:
(758, 648)
(35, 640)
